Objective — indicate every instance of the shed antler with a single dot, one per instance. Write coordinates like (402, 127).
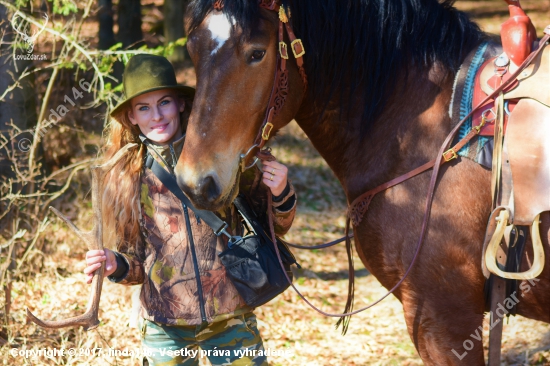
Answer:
(94, 240)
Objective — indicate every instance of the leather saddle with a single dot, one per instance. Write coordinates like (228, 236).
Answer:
(519, 121)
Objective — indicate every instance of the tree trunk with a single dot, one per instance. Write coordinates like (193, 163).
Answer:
(105, 18)
(19, 105)
(129, 23)
(173, 26)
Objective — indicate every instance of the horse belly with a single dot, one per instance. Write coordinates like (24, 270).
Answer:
(450, 256)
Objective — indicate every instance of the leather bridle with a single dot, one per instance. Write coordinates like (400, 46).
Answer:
(279, 91)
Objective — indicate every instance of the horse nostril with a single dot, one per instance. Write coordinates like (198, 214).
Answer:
(208, 189)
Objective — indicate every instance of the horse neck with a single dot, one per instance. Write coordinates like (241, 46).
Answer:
(406, 135)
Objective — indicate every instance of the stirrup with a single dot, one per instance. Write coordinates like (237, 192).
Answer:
(538, 250)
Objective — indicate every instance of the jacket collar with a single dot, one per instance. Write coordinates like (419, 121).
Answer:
(169, 153)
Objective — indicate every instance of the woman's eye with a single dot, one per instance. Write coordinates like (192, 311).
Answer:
(144, 108)
(164, 102)
(257, 55)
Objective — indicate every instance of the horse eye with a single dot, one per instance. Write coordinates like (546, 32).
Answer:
(257, 55)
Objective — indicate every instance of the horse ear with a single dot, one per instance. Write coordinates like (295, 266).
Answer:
(269, 4)
(218, 5)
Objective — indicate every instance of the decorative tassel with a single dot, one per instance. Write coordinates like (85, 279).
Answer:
(344, 321)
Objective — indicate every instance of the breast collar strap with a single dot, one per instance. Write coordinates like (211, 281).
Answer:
(279, 90)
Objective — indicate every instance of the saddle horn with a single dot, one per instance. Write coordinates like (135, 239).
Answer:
(517, 33)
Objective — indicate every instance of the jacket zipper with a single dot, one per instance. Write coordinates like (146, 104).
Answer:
(195, 263)
(174, 160)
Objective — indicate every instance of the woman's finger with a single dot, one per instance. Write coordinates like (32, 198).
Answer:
(276, 185)
(273, 178)
(94, 260)
(94, 253)
(92, 268)
(272, 172)
(275, 164)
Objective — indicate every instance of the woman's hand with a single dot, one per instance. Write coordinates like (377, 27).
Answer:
(94, 258)
(274, 176)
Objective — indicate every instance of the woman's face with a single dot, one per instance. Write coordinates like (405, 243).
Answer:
(157, 114)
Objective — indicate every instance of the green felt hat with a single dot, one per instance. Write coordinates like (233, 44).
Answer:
(146, 73)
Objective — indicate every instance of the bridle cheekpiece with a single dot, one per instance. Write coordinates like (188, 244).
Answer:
(279, 90)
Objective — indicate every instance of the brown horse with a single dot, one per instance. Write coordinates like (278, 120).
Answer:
(380, 84)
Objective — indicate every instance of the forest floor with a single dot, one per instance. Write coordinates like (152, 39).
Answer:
(375, 337)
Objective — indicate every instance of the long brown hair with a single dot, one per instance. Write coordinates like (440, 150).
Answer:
(121, 194)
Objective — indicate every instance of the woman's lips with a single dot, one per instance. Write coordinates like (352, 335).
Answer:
(160, 128)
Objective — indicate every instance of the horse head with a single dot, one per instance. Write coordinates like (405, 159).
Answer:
(235, 67)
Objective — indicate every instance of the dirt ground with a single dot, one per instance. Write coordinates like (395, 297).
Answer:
(300, 336)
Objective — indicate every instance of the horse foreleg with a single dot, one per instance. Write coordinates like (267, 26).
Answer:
(444, 333)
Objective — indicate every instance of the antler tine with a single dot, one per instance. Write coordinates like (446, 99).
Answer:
(16, 27)
(37, 33)
(94, 240)
(86, 236)
(108, 165)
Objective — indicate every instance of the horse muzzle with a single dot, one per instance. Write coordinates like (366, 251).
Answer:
(206, 191)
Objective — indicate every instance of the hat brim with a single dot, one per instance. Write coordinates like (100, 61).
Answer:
(187, 91)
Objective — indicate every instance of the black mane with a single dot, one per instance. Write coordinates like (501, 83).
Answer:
(364, 42)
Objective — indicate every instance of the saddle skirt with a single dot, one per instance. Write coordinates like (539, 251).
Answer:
(526, 128)
(533, 82)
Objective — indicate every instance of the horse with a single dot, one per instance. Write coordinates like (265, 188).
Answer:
(380, 77)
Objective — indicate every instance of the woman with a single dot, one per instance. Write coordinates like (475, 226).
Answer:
(187, 300)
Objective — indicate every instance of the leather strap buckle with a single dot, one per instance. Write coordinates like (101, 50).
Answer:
(265, 132)
(283, 50)
(301, 51)
(500, 71)
(221, 230)
(453, 155)
(482, 123)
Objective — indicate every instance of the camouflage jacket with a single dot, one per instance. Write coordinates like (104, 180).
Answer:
(163, 261)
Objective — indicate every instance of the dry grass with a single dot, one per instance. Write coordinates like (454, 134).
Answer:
(56, 288)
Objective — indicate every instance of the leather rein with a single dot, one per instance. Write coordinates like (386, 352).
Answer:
(359, 206)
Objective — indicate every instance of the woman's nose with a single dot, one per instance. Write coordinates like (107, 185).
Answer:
(157, 113)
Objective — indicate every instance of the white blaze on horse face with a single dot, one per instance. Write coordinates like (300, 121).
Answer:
(220, 28)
